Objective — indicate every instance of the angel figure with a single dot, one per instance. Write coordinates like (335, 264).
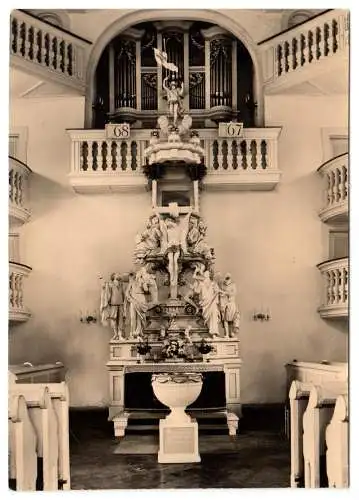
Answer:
(229, 311)
(112, 305)
(173, 241)
(174, 98)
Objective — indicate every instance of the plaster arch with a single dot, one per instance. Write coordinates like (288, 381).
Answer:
(138, 16)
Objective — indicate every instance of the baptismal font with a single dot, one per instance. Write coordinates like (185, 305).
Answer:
(172, 313)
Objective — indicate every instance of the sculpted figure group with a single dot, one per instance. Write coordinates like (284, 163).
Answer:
(127, 298)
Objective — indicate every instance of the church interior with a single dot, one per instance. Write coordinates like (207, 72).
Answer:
(178, 249)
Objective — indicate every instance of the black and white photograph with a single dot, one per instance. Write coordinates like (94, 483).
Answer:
(178, 248)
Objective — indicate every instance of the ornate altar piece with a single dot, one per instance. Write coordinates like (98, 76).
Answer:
(172, 313)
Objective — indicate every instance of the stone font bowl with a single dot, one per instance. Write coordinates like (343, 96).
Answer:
(177, 391)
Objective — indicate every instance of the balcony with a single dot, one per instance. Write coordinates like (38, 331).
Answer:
(19, 211)
(17, 309)
(309, 58)
(99, 164)
(48, 52)
(335, 172)
(335, 278)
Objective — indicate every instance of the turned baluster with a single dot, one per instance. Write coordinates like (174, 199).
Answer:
(128, 156)
(11, 185)
(12, 289)
(303, 50)
(329, 287)
(224, 151)
(336, 294)
(337, 182)
(345, 280)
(14, 187)
(220, 154)
(19, 292)
(54, 53)
(253, 152)
(287, 56)
(90, 158)
(319, 40)
(279, 59)
(107, 164)
(248, 162)
(214, 163)
(20, 188)
(14, 41)
(230, 154)
(16, 291)
(259, 154)
(264, 154)
(344, 183)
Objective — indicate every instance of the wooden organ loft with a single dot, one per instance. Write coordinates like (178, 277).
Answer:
(215, 67)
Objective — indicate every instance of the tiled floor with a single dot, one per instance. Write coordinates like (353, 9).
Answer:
(254, 459)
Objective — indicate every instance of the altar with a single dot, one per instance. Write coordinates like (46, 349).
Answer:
(220, 392)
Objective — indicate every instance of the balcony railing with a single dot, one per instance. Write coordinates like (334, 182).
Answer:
(36, 45)
(99, 164)
(17, 309)
(336, 283)
(19, 211)
(305, 46)
(335, 172)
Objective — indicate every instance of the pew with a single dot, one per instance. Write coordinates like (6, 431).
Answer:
(337, 440)
(53, 436)
(316, 417)
(298, 399)
(22, 446)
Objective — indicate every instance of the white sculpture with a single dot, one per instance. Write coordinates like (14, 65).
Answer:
(173, 241)
(208, 293)
(196, 238)
(174, 98)
(136, 304)
(112, 305)
(227, 301)
(148, 242)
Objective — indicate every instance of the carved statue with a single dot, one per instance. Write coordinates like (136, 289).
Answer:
(149, 284)
(208, 294)
(196, 238)
(227, 301)
(136, 304)
(112, 305)
(148, 242)
(173, 240)
(174, 98)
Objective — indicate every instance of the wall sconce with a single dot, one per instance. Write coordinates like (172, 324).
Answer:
(88, 318)
(261, 316)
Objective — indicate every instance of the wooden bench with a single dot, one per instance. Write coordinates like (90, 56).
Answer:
(52, 430)
(22, 446)
(337, 439)
(316, 417)
(298, 399)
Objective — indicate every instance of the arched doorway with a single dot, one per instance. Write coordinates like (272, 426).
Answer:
(217, 62)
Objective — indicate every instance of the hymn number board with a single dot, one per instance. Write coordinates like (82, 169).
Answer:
(118, 131)
(231, 129)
